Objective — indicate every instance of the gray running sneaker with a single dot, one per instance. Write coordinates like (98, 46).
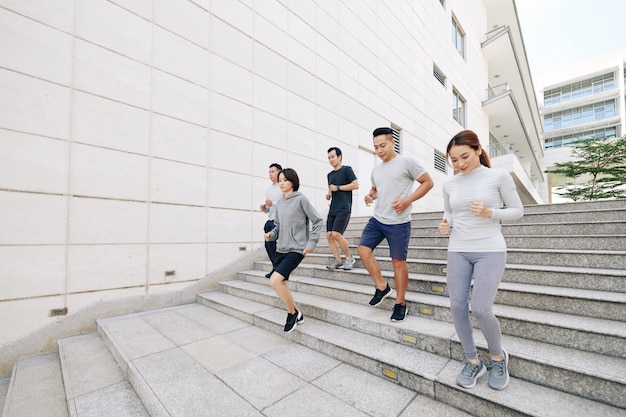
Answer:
(470, 373)
(499, 372)
(335, 265)
(348, 263)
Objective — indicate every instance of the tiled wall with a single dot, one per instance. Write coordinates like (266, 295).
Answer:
(135, 135)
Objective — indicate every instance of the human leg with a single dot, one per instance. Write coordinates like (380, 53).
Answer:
(370, 238)
(270, 247)
(459, 278)
(488, 271)
(398, 236)
(279, 281)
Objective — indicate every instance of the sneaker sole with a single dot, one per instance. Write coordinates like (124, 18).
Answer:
(506, 358)
(381, 300)
(481, 373)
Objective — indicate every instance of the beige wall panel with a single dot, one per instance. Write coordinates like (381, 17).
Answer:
(179, 56)
(110, 124)
(177, 224)
(178, 98)
(113, 27)
(35, 49)
(231, 44)
(105, 73)
(228, 115)
(32, 271)
(99, 172)
(179, 141)
(98, 221)
(187, 260)
(230, 153)
(33, 163)
(29, 219)
(176, 182)
(34, 106)
(231, 80)
(231, 226)
(104, 267)
(185, 19)
(229, 190)
(22, 316)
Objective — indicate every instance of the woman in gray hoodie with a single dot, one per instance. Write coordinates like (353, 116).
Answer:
(294, 240)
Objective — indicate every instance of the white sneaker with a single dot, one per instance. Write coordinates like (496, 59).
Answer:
(348, 263)
(335, 265)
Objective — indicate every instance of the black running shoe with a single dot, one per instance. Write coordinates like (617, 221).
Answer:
(379, 296)
(399, 312)
(292, 321)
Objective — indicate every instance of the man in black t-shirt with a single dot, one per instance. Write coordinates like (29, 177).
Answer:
(341, 182)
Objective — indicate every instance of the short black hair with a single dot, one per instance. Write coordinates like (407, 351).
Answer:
(336, 149)
(277, 166)
(382, 131)
(292, 176)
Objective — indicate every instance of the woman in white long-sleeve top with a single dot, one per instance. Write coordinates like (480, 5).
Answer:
(475, 201)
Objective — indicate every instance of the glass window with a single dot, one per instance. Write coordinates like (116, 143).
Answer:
(458, 108)
(458, 37)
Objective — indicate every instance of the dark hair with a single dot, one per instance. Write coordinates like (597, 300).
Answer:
(382, 131)
(277, 166)
(469, 138)
(292, 176)
(336, 149)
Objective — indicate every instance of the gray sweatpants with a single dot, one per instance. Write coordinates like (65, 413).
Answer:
(487, 269)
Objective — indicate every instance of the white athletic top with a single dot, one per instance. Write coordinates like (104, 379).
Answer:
(496, 189)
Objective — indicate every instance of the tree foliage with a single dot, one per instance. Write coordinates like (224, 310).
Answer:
(597, 171)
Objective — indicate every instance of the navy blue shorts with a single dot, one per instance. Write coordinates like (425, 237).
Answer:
(287, 262)
(338, 222)
(397, 236)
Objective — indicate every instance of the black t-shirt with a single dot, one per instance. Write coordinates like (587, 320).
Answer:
(341, 200)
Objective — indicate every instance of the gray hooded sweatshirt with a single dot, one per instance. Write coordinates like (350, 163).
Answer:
(291, 230)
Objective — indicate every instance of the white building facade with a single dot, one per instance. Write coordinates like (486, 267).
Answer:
(586, 100)
(135, 136)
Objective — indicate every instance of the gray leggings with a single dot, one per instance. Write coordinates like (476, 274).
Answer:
(487, 269)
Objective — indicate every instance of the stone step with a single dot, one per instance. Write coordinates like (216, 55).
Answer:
(424, 356)
(600, 279)
(614, 259)
(36, 388)
(578, 332)
(577, 242)
(616, 227)
(94, 383)
(194, 361)
(589, 303)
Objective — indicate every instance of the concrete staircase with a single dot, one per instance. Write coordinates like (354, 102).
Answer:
(562, 307)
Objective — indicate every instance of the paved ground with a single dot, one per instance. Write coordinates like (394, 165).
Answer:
(229, 367)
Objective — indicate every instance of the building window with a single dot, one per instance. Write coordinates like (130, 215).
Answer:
(458, 107)
(440, 162)
(579, 89)
(569, 140)
(458, 37)
(579, 115)
(439, 75)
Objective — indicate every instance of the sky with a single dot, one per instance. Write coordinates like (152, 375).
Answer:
(561, 33)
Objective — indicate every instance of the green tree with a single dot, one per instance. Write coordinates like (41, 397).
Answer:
(597, 171)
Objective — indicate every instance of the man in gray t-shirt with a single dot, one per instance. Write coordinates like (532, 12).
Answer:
(392, 187)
